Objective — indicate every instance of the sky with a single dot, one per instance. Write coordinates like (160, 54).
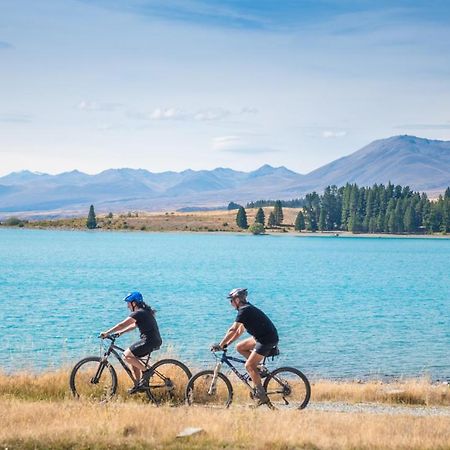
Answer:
(177, 84)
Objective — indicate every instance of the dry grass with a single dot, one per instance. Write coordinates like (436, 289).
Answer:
(203, 221)
(54, 386)
(37, 411)
(411, 392)
(71, 424)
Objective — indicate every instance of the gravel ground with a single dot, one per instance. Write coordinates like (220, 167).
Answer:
(378, 408)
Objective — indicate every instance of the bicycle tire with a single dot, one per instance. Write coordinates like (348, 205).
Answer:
(203, 398)
(172, 392)
(79, 382)
(288, 379)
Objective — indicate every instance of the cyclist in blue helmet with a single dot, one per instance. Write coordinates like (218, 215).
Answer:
(142, 317)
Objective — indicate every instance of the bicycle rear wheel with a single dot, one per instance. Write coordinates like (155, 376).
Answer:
(93, 379)
(287, 388)
(200, 392)
(167, 384)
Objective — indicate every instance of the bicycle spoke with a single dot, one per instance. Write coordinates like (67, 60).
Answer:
(205, 391)
(288, 388)
(168, 382)
(92, 381)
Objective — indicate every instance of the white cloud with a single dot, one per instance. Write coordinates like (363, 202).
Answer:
(202, 115)
(167, 114)
(235, 144)
(88, 105)
(211, 114)
(333, 134)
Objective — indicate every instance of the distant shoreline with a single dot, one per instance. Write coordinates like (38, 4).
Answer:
(303, 234)
(208, 222)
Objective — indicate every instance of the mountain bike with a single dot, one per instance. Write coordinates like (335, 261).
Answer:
(94, 378)
(286, 387)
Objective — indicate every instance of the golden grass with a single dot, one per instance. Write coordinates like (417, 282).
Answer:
(203, 221)
(71, 424)
(55, 386)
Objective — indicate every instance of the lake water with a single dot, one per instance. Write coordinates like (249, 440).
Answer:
(344, 307)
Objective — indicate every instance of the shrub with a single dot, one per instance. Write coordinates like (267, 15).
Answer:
(256, 228)
(13, 222)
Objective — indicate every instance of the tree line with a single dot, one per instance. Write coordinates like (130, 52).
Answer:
(377, 209)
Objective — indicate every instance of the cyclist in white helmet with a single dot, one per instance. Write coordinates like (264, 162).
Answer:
(264, 337)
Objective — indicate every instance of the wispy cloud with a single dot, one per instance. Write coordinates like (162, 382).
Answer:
(333, 134)
(424, 126)
(201, 115)
(5, 45)
(236, 144)
(88, 105)
(167, 114)
(15, 118)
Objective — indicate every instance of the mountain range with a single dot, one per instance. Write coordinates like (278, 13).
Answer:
(420, 163)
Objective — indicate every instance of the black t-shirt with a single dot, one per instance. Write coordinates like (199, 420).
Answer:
(146, 322)
(257, 324)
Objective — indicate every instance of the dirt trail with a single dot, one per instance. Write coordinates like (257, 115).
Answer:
(379, 408)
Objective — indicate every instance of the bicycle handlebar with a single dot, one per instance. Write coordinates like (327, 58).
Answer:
(111, 337)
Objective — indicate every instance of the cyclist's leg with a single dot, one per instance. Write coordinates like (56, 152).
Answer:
(132, 355)
(251, 365)
(257, 356)
(246, 346)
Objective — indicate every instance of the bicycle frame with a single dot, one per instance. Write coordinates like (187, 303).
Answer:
(114, 350)
(227, 360)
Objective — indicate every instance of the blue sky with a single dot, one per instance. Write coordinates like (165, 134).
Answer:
(170, 85)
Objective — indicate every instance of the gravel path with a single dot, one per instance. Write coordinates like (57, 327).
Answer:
(379, 408)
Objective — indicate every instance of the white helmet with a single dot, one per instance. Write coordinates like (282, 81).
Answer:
(238, 292)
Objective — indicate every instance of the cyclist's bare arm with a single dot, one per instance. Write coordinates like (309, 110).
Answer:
(232, 334)
(121, 326)
(128, 328)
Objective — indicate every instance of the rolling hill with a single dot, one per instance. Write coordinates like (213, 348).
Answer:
(422, 164)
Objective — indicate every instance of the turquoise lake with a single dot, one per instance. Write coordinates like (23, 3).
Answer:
(344, 307)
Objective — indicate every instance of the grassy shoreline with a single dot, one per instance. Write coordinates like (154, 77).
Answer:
(197, 222)
(38, 412)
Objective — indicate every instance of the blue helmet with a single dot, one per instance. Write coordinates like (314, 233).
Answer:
(134, 297)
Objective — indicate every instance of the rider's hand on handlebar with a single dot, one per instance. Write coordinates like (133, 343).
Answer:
(102, 335)
(217, 347)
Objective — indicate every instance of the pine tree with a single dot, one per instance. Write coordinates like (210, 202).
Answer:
(445, 227)
(299, 222)
(322, 219)
(409, 220)
(278, 212)
(271, 221)
(241, 218)
(260, 217)
(91, 221)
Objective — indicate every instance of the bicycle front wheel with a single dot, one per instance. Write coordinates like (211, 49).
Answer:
(287, 388)
(93, 379)
(167, 384)
(202, 391)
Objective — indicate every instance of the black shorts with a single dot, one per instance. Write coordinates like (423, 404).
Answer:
(264, 349)
(143, 347)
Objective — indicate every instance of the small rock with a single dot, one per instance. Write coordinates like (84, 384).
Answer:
(190, 431)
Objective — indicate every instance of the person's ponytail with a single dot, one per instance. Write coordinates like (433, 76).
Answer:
(148, 308)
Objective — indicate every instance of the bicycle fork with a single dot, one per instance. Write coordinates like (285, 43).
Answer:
(213, 386)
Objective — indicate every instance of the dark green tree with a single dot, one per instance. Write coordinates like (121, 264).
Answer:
(232, 206)
(278, 212)
(241, 218)
(91, 221)
(409, 220)
(271, 222)
(260, 217)
(299, 222)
